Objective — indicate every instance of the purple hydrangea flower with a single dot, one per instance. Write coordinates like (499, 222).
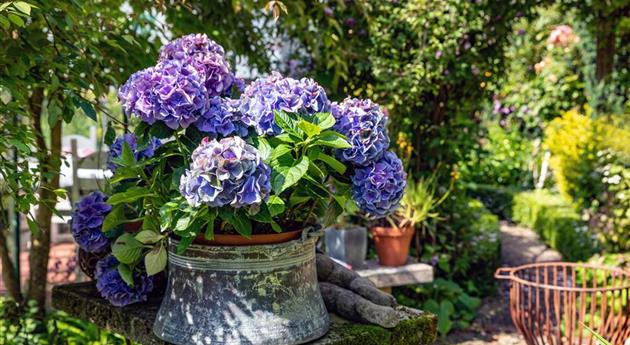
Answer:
(265, 95)
(207, 57)
(226, 172)
(222, 118)
(87, 222)
(113, 288)
(378, 187)
(172, 92)
(190, 45)
(115, 149)
(365, 125)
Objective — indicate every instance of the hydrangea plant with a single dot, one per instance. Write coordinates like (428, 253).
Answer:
(277, 158)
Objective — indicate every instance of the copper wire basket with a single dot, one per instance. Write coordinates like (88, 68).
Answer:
(550, 303)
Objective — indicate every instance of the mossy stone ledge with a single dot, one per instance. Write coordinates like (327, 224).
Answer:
(81, 300)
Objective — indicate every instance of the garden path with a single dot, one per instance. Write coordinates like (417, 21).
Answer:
(493, 325)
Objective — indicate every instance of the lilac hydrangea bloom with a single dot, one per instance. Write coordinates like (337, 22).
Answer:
(113, 288)
(171, 92)
(378, 187)
(207, 57)
(115, 150)
(222, 118)
(264, 95)
(365, 125)
(226, 172)
(87, 222)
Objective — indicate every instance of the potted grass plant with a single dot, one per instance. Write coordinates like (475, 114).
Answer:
(226, 186)
(393, 236)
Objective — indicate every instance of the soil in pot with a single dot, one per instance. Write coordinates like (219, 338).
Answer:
(392, 244)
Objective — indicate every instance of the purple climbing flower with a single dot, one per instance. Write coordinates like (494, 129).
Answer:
(113, 288)
(378, 187)
(87, 222)
(365, 126)
(226, 172)
(265, 95)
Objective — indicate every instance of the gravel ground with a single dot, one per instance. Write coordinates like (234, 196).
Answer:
(493, 325)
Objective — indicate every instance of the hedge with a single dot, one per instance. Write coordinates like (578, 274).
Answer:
(557, 223)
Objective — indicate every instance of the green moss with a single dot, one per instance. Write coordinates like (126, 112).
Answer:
(420, 330)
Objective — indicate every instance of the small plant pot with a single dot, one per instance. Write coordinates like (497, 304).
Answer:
(392, 244)
(347, 244)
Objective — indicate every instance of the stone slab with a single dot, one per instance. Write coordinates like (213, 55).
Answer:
(81, 300)
(386, 277)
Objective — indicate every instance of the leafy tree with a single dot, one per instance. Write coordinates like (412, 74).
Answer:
(58, 59)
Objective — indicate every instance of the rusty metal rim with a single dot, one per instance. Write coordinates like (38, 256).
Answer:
(511, 276)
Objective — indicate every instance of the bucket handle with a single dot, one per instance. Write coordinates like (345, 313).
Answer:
(504, 273)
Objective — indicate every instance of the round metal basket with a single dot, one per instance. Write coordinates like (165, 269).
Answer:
(551, 303)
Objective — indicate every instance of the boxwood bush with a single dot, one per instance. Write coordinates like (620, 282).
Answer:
(556, 221)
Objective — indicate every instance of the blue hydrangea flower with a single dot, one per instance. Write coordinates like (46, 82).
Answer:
(207, 57)
(264, 95)
(378, 187)
(365, 125)
(87, 222)
(114, 289)
(222, 118)
(226, 172)
(172, 92)
(115, 150)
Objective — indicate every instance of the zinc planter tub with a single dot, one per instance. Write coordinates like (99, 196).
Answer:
(236, 295)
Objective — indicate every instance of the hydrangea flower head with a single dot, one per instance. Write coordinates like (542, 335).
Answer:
(207, 57)
(378, 187)
(222, 118)
(171, 92)
(265, 95)
(87, 222)
(113, 288)
(115, 150)
(365, 125)
(226, 172)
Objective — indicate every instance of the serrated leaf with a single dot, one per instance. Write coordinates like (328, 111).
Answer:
(15, 19)
(115, 217)
(160, 130)
(333, 163)
(148, 237)
(183, 223)
(287, 177)
(263, 147)
(310, 129)
(183, 244)
(155, 260)
(110, 135)
(130, 195)
(126, 274)
(279, 151)
(333, 141)
(276, 205)
(325, 120)
(238, 220)
(127, 249)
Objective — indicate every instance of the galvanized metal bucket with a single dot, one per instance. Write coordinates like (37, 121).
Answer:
(262, 294)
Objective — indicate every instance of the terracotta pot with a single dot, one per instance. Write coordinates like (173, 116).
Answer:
(392, 244)
(238, 240)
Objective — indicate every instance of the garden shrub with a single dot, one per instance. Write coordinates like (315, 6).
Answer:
(26, 327)
(556, 221)
(454, 308)
(590, 159)
(465, 246)
(497, 199)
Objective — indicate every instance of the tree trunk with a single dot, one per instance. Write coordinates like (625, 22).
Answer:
(606, 38)
(9, 275)
(49, 164)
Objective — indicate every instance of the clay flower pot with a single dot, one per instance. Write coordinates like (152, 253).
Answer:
(392, 244)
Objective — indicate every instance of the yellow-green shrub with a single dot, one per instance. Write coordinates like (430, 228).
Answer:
(590, 159)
